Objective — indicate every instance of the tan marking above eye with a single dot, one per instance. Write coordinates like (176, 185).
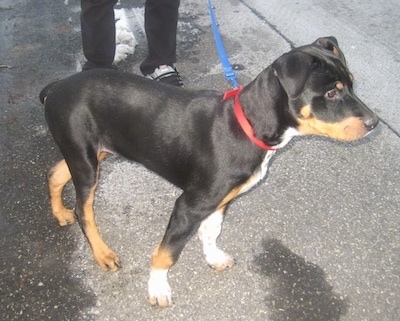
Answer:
(339, 85)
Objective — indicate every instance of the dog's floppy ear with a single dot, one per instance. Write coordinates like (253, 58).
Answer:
(292, 70)
(332, 45)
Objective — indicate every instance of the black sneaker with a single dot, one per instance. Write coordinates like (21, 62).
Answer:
(166, 74)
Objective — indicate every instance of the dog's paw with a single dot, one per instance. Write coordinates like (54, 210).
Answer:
(219, 260)
(107, 260)
(65, 217)
(159, 289)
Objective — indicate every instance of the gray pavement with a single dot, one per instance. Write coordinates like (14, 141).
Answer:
(317, 240)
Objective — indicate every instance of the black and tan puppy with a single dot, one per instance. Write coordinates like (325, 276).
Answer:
(213, 147)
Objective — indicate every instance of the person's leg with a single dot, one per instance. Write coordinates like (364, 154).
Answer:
(161, 20)
(98, 33)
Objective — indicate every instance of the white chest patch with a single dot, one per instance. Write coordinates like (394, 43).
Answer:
(260, 172)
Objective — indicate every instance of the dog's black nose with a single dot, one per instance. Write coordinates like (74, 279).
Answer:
(371, 122)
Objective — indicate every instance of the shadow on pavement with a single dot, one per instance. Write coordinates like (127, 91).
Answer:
(298, 289)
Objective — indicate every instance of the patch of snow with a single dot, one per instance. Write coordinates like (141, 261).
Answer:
(125, 40)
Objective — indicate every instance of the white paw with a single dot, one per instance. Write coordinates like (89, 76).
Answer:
(159, 289)
(219, 260)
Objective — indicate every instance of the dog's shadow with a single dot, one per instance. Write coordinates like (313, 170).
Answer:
(298, 290)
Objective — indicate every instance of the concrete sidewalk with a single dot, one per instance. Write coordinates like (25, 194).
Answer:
(317, 240)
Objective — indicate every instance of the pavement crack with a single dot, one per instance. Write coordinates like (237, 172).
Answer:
(391, 128)
(260, 16)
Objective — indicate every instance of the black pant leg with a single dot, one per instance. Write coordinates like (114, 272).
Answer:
(98, 31)
(161, 20)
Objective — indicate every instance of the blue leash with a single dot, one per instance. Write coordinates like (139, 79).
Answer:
(229, 73)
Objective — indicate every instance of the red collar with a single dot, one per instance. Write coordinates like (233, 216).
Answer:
(242, 119)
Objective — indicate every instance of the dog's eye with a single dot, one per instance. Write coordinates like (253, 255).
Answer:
(331, 94)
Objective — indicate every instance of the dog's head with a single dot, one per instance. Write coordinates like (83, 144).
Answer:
(320, 92)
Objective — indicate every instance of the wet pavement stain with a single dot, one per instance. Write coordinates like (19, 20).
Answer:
(298, 290)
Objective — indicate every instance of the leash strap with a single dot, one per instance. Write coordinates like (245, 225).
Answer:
(242, 119)
(231, 77)
(229, 73)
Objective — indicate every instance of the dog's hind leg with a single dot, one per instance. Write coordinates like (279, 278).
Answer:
(85, 176)
(209, 231)
(58, 176)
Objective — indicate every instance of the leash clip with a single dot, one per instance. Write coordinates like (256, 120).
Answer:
(230, 75)
(232, 93)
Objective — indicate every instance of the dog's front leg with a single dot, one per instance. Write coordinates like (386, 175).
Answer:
(184, 221)
(209, 231)
(158, 286)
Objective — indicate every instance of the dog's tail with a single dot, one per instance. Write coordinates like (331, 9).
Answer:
(45, 91)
